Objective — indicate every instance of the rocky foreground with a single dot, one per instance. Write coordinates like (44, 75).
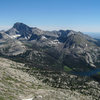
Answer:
(17, 84)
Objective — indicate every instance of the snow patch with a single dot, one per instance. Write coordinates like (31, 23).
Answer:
(43, 38)
(15, 36)
(54, 42)
(28, 99)
(86, 45)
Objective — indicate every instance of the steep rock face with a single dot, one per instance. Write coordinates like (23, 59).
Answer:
(1, 36)
(82, 49)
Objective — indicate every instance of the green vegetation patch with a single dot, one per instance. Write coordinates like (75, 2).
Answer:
(2, 98)
(67, 69)
(98, 73)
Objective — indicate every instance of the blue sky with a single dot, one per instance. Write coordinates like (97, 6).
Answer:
(79, 15)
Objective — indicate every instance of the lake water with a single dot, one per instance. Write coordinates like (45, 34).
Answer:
(88, 73)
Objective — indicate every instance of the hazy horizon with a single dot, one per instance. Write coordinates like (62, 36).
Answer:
(50, 28)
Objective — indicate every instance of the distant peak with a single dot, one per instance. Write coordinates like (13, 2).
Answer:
(18, 25)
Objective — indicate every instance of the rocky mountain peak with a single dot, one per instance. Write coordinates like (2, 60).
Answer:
(65, 34)
(19, 25)
(20, 29)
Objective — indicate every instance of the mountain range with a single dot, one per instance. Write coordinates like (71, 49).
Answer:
(50, 49)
